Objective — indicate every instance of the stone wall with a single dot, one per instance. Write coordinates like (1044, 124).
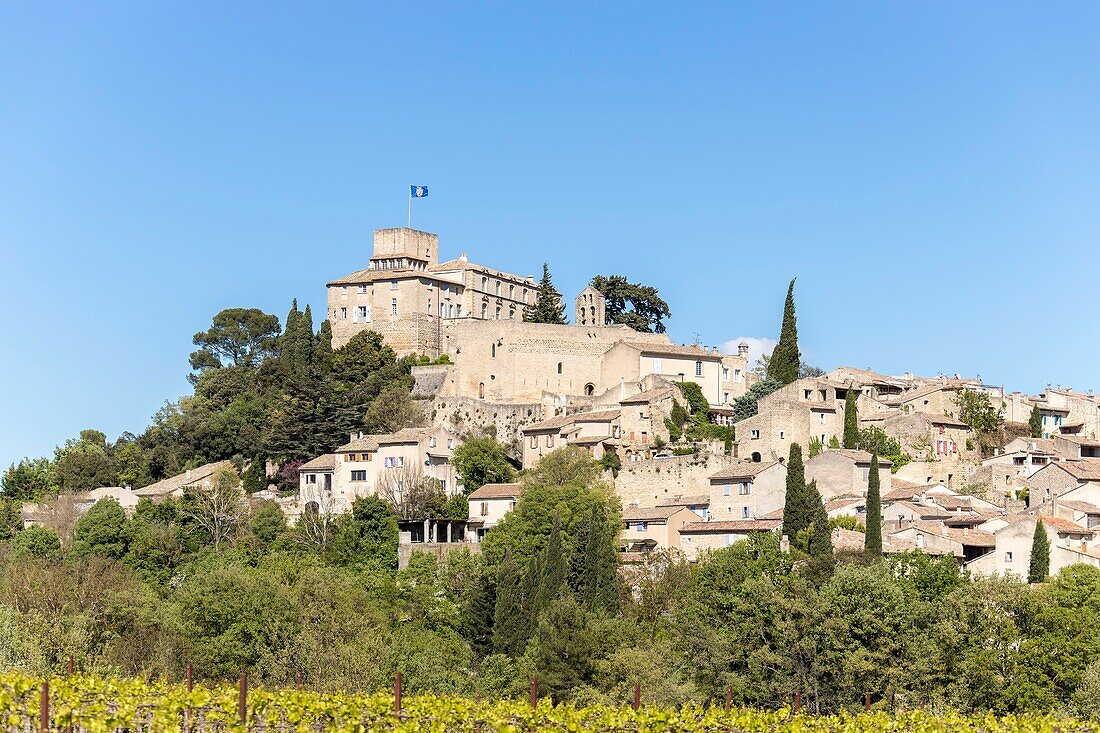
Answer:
(648, 483)
(473, 416)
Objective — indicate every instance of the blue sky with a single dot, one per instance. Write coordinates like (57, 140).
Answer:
(929, 171)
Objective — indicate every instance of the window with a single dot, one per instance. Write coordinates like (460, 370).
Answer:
(311, 478)
(512, 292)
(744, 512)
(498, 287)
(429, 306)
(550, 441)
(388, 462)
(450, 442)
(745, 488)
(511, 314)
(1008, 557)
(645, 437)
(534, 441)
(559, 367)
(368, 457)
(493, 350)
(737, 375)
(393, 306)
(484, 283)
(484, 508)
(726, 490)
(484, 311)
(698, 368)
(400, 461)
(343, 313)
(725, 374)
(362, 314)
(393, 285)
(640, 527)
(782, 434)
(498, 312)
(525, 295)
(754, 435)
(358, 475)
(431, 442)
(656, 366)
(362, 289)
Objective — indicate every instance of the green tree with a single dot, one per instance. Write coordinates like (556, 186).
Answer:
(647, 310)
(241, 336)
(1039, 566)
(872, 540)
(133, 465)
(797, 511)
(851, 419)
(477, 620)
(101, 530)
(785, 358)
(28, 480)
(37, 542)
(594, 569)
(548, 306)
(366, 537)
(1035, 422)
(83, 465)
(511, 626)
(481, 461)
(268, 523)
(745, 406)
(820, 540)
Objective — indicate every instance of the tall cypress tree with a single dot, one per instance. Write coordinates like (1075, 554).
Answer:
(820, 543)
(1039, 567)
(872, 541)
(796, 509)
(1035, 422)
(786, 359)
(552, 570)
(548, 306)
(511, 627)
(851, 419)
(477, 623)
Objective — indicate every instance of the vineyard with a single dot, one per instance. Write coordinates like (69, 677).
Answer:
(85, 704)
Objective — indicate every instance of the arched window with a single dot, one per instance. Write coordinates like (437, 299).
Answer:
(484, 311)
(498, 312)
(481, 390)
(493, 348)
(590, 389)
(756, 457)
(312, 507)
(559, 367)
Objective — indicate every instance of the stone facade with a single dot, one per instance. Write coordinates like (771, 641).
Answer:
(747, 491)
(840, 472)
(657, 481)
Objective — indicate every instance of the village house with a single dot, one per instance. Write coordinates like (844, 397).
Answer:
(488, 506)
(371, 465)
(1069, 413)
(646, 529)
(175, 486)
(597, 432)
(1076, 446)
(698, 538)
(747, 490)
(698, 504)
(1013, 538)
(1057, 479)
(935, 538)
(633, 360)
(844, 472)
(1025, 456)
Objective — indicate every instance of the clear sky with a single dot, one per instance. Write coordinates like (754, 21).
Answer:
(929, 171)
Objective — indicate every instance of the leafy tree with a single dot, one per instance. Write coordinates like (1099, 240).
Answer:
(647, 310)
(477, 622)
(241, 336)
(987, 421)
(872, 541)
(219, 508)
(83, 465)
(785, 358)
(366, 537)
(548, 306)
(392, 410)
(745, 406)
(851, 419)
(876, 440)
(268, 523)
(481, 461)
(133, 465)
(28, 480)
(1035, 422)
(815, 446)
(1039, 565)
(797, 510)
(567, 645)
(834, 442)
(101, 530)
(37, 542)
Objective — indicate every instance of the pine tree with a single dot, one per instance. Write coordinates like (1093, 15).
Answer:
(851, 419)
(548, 306)
(1039, 567)
(872, 541)
(820, 542)
(785, 358)
(1035, 422)
(796, 511)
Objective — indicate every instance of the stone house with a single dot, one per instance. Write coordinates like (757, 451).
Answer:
(596, 432)
(1013, 536)
(175, 486)
(1069, 413)
(843, 472)
(747, 490)
(804, 410)
(642, 419)
(488, 506)
(1056, 479)
(699, 504)
(698, 538)
(1025, 456)
(930, 436)
(1076, 446)
(646, 529)
(735, 378)
(871, 384)
(935, 399)
(406, 293)
(370, 465)
(631, 360)
(936, 538)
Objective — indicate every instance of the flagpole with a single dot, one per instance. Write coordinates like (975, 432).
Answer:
(410, 206)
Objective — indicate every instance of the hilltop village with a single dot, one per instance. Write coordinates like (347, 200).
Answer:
(701, 448)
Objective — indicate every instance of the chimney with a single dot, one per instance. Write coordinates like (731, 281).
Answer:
(784, 544)
(463, 257)
(920, 541)
(743, 350)
(187, 475)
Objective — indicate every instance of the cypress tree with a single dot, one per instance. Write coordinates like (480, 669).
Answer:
(548, 306)
(1039, 567)
(820, 542)
(786, 359)
(552, 569)
(851, 419)
(872, 541)
(511, 627)
(478, 621)
(596, 583)
(796, 510)
(1035, 422)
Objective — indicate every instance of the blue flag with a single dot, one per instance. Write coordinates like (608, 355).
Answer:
(418, 192)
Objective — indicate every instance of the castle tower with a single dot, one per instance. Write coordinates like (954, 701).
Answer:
(591, 308)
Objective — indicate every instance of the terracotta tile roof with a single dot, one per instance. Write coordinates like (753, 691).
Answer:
(373, 442)
(1082, 469)
(320, 463)
(742, 470)
(777, 514)
(962, 535)
(367, 276)
(650, 395)
(498, 491)
(900, 483)
(733, 525)
(674, 350)
(1060, 525)
(921, 510)
(900, 494)
(561, 421)
(649, 514)
(701, 500)
(841, 503)
(589, 440)
(1079, 440)
(174, 483)
(946, 420)
(1080, 506)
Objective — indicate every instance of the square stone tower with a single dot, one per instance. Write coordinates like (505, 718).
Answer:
(402, 245)
(591, 308)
